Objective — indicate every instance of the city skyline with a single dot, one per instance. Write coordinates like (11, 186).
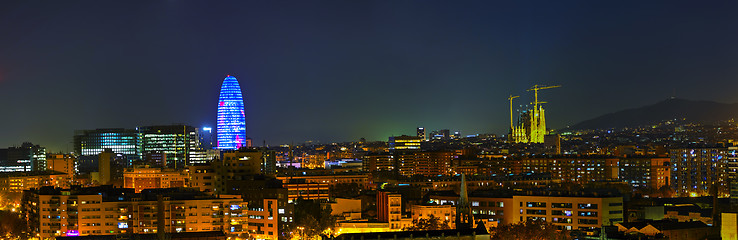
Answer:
(335, 72)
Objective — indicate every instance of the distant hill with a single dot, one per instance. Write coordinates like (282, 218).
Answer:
(691, 111)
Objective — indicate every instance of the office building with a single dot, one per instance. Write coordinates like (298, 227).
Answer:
(421, 133)
(180, 143)
(155, 158)
(442, 134)
(231, 116)
(404, 143)
(119, 140)
(207, 141)
(89, 143)
(26, 158)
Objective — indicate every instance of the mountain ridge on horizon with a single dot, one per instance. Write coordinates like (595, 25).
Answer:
(694, 111)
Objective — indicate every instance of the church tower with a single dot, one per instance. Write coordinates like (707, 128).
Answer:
(464, 217)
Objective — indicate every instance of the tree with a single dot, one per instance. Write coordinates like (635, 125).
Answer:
(345, 190)
(312, 218)
(529, 230)
(430, 223)
(11, 223)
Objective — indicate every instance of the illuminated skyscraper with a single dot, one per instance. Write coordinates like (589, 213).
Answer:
(421, 133)
(231, 116)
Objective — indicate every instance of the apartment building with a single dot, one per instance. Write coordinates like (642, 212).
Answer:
(141, 178)
(105, 210)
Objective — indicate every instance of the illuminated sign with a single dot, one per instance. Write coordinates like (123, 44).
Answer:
(122, 225)
(72, 233)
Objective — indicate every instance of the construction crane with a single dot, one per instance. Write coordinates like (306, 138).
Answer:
(511, 112)
(535, 89)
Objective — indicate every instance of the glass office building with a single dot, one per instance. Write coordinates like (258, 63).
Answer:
(231, 116)
(93, 142)
(180, 143)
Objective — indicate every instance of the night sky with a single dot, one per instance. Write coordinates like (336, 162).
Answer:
(334, 71)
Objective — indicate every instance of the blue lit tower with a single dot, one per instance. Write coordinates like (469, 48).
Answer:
(231, 116)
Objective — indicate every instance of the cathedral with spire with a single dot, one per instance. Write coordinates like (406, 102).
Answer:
(464, 217)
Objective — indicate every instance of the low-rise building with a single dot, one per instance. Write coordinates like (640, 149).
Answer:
(346, 208)
(669, 229)
(445, 213)
(586, 210)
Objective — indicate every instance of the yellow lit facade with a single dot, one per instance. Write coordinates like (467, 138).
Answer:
(148, 178)
(65, 214)
(19, 181)
(442, 212)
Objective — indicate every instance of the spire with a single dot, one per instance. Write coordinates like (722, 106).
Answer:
(464, 218)
(463, 196)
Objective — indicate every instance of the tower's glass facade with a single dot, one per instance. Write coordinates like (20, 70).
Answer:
(231, 116)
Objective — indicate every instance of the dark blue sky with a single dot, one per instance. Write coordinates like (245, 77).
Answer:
(341, 70)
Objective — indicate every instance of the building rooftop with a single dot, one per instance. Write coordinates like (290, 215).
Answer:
(33, 173)
(662, 225)
(179, 235)
(480, 230)
(113, 194)
(505, 193)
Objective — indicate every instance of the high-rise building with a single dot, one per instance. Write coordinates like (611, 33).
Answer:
(231, 116)
(179, 142)
(89, 143)
(65, 163)
(645, 172)
(119, 140)
(106, 165)
(552, 143)
(442, 134)
(206, 138)
(696, 171)
(732, 155)
(421, 133)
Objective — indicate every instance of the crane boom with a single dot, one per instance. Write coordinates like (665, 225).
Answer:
(535, 89)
